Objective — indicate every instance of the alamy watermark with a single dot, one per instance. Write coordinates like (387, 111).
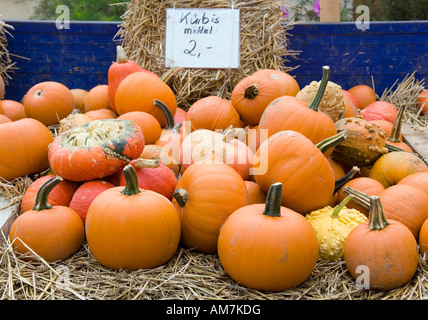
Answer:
(363, 20)
(63, 20)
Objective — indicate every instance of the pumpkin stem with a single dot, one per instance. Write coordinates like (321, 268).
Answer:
(147, 163)
(321, 89)
(41, 202)
(377, 219)
(340, 206)
(359, 197)
(231, 133)
(339, 183)
(251, 91)
(170, 123)
(180, 195)
(121, 56)
(273, 201)
(223, 88)
(396, 126)
(177, 127)
(76, 111)
(131, 179)
(168, 74)
(332, 141)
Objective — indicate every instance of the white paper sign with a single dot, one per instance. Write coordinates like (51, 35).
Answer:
(202, 38)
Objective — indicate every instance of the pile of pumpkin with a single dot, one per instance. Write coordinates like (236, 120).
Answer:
(272, 179)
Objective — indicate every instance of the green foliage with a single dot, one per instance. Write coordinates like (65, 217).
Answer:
(83, 10)
(396, 10)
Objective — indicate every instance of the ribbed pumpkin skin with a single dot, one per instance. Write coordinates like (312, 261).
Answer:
(132, 232)
(291, 113)
(390, 254)
(90, 162)
(418, 179)
(24, 148)
(48, 102)
(267, 253)
(207, 184)
(292, 159)
(138, 91)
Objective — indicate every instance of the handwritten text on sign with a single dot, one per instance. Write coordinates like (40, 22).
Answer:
(202, 38)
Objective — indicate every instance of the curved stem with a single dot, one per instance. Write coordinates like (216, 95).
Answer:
(321, 89)
(131, 180)
(332, 141)
(340, 206)
(377, 220)
(177, 127)
(273, 201)
(339, 183)
(359, 197)
(181, 196)
(166, 113)
(396, 126)
(121, 56)
(41, 202)
(251, 91)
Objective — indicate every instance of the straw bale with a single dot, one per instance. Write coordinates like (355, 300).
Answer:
(264, 39)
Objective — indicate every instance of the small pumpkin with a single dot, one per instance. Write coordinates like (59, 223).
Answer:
(48, 102)
(252, 94)
(267, 246)
(60, 195)
(24, 148)
(369, 244)
(364, 95)
(148, 124)
(97, 98)
(200, 186)
(96, 149)
(85, 194)
(130, 228)
(79, 98)
(392, 167)
(379, 110)
(52, 232)
(12, 109)
(332, 226)
(153, 175)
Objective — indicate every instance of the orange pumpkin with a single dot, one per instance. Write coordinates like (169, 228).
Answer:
(148, 124)
(96, 149)
(268, 247)
(85, 194)
(291, 113)
(350, 109)
(200, 186)
(385, 125)
(251, 95)
(363, 94)
(52, 232)
(423, 239)
(118, 71)
(60, 195)
(101, 114)
(79, 98)
(48, 102)
(392, 167)
(254, 192)
(351, 97)
(12, 109)
(418, 179)
(24, 148)
(97, 98)
(379, 110)
(292, 159)
(138, 91)
(385, 247)
(130, 228)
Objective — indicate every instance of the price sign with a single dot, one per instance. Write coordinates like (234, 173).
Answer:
(202, 38)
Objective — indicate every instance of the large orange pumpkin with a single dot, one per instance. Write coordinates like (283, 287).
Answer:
(130, 228)
(206, 194)
(384, 247)
(292, 159)
(267, 246)
(138, 91)
(251, 95)
(24, 148)
(48, 102)
(96, 149)
(52, 232)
